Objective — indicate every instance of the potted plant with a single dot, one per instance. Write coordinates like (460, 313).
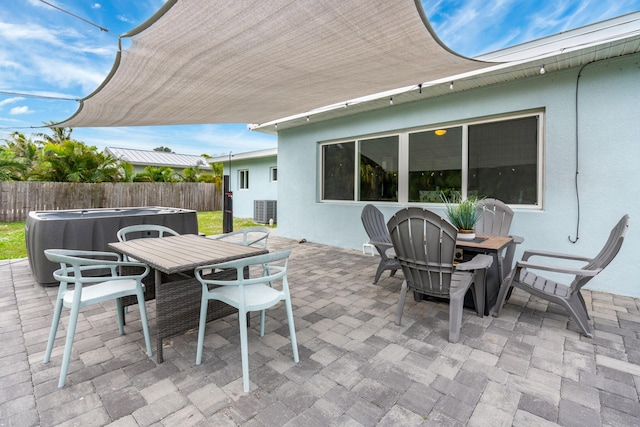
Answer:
(463, 214)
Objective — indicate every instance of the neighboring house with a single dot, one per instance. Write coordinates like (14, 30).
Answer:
(527, 131)
(143, 158)
(253, 176)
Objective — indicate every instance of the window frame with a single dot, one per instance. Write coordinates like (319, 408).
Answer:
(243, 179)
(403, 158)
(273, 170)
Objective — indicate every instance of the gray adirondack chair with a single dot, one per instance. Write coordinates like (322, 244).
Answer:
(425, 243)
(376, 228)
(496, 221)
(567, 296)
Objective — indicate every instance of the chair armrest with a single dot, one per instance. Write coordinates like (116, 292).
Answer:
(90, 256)
(517, 239)
(69, 277)
(478, 262)
(381, 244)
(558, 269)
(529, 253)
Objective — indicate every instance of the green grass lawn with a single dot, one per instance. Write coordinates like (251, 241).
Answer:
(12, 241)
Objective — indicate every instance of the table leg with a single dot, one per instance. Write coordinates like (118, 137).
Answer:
(158, 283)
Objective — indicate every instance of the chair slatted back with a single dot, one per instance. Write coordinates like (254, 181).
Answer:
(374, 224)
(496, 218)
(425, 244)
(144, 230)
(606, 254)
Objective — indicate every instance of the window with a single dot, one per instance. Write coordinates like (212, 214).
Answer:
(496, 158)
(338, 171)
(503, 160)
(243, 179)
(273, 173)
(377, 165)
(435, 164)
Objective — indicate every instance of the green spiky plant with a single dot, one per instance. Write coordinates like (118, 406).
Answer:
(463, 214)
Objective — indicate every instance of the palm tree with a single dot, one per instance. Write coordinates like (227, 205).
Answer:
(19, 155)
(156, 174)
(11, 167)
(59, 134)
(73, 161)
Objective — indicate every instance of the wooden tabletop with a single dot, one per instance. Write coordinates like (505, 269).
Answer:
(492, 243)
(174, 254)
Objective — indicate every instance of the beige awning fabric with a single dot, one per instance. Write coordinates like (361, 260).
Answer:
(244, 61)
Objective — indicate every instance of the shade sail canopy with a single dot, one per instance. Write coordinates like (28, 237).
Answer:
(254, 61)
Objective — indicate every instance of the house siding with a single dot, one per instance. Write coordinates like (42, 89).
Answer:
(608, 154)
(260, 185)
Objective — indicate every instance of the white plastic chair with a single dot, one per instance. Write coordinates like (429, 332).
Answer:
(251, 236)
(248, 294)
(74, 266)
(139, 231)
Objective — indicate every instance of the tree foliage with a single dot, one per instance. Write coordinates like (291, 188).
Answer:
(156, 174)
(56, 157)
(73, 161)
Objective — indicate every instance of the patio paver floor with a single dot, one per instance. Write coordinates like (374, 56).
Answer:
(529, 367)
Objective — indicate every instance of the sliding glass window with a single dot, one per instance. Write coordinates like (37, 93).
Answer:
(378, 169)
(497, 158)
(435, 164)
(338, 171)
(503, 160)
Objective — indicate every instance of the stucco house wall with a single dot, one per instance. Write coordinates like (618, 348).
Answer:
(608, 153)
(261, 186)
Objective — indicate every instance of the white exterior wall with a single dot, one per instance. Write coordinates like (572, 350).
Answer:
(260, 185)
(609, 156)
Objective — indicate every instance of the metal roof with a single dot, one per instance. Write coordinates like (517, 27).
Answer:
(158, 158)
(269, 152)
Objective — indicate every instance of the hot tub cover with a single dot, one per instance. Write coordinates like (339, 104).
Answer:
(255, 61)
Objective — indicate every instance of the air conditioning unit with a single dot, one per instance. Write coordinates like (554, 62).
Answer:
(264, 210)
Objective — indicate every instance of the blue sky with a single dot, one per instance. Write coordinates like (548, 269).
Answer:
(46, 52)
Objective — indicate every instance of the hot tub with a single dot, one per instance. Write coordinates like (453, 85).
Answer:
(92, 229)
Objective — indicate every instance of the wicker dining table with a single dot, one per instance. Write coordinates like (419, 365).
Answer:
(178, 296)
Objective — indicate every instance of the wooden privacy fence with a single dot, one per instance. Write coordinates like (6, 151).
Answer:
(18, 198)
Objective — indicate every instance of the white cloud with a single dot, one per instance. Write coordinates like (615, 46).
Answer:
(10, 100)
(96, 6)
(20, 110)
(125, 19)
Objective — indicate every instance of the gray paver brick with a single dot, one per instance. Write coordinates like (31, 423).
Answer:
(538, 406)
(621, 404)
(160, 409)
(399, 416)
(580, 393)
(357, 368)
(488, 415)
(123, 402)
(454, 408)
(572, 414)
(275, 414)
